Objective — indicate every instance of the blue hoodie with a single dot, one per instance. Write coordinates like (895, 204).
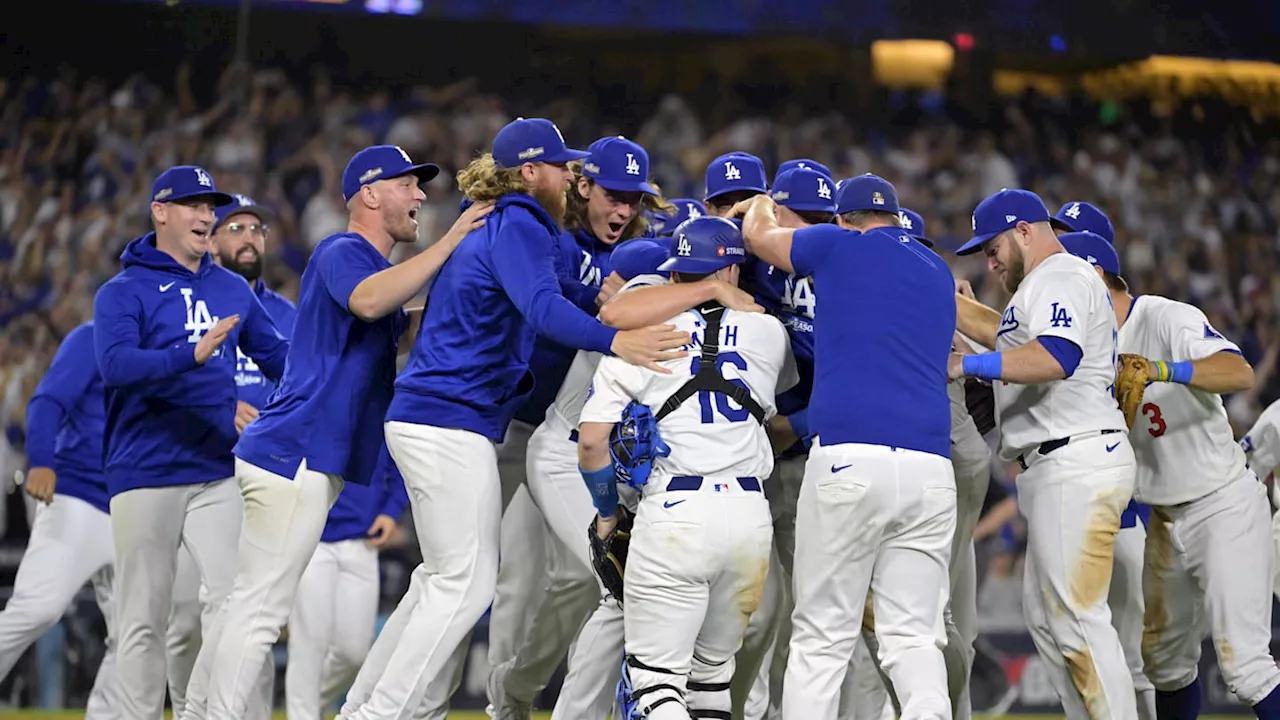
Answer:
(358, 505)
(469, 367)
(587, 261)
(252, 386)
(65, 421)
(169, 420)
(328, 409)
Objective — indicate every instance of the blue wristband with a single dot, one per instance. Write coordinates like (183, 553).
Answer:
(1181, 372)
(800, 423)
(986, 366)
(603, 486)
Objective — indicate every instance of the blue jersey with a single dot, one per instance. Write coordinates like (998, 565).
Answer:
(329, 405)
(582, 267)
(169, 420)
(790, 298)
(252, 386)
(469, 367)
(359, 505)
(66, 418)
(880, 360)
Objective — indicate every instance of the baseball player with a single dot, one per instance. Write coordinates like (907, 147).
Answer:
(1207, 506)
(70, 539)
(663, 224)
(877, 505)
(1054, 359)
(1262, 447)
(467, 374)
(320, 426)
(607, 204)
(1125, 596)
(685, 612)
(332, 623)
(164, 329)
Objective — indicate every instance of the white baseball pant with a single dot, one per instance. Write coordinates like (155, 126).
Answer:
(570, 591)
(1275, 532)
(1125, 601)
(589, 690)
(456, 496)
(331, 626)
(1072, 500)
(184, 639)
(148, 526)
(282, 522)
(685, 613)
(880, 519)
(1194, 577)
(69, 546)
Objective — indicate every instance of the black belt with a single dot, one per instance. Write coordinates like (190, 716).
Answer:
(1049, 446)
(694, 482)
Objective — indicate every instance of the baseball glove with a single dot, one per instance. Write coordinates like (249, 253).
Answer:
(1131, 382)
(609, 556)
(980, 401)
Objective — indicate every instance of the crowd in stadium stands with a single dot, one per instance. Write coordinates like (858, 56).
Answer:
(1195, 197)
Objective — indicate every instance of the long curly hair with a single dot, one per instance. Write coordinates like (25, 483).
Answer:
(575, 215)
(483, 180)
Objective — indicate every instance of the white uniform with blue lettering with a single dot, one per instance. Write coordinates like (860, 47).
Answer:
(1208, 511)
(1262, 447)
(1079, 477)
(703, 532)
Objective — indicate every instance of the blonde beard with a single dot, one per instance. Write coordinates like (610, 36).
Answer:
(553, 202)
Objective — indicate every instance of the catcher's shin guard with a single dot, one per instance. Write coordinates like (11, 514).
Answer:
(653, 693)
(708, 689)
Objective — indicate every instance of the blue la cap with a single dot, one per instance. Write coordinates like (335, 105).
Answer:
(732, 172)
(866, 192)
(913, 223)
(704, 245)
(804, 189)
(381, 162)
(240, 204)
(1094, 248)
(1001, 211)
(1078, 216)
(616, 163)
(803, 164)
(686, 208)
(187, 181)
(532, 140)
(639, 256)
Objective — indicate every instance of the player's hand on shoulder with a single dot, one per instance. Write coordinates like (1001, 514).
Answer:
(245, 414)
(214, 338)
(381, 531)
(470, 219)
(41, 483)
(650, 346)
(609, 288)
(735, 298)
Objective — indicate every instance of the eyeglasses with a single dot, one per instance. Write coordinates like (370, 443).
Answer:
(255, 228)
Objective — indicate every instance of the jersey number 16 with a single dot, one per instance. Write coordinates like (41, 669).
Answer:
(721, 401)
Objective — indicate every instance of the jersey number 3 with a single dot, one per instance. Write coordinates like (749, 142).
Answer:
(1151, 412)
(721, 402)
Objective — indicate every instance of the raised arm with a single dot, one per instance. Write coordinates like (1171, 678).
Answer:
(977, 321)
(117, 339)
(765, 238)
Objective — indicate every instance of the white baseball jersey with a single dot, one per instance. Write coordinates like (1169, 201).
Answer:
(1182, 438)
(709, 434)
(577, 381)
(1062, 297)
(1262, 443)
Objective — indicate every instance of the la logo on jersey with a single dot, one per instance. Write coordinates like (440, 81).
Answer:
(633, 167)
(1059, 317)
(731, 172)
(588, 274)
(198, 318)
(683, 248)
(824, 190)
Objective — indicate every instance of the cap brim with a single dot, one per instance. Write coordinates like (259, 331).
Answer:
(639, 186)
(564, 155)
(217, 198)
(810, 206)
(726, 191)
(426, 172)
(1061, 224)
(975, 244)
(922, 240)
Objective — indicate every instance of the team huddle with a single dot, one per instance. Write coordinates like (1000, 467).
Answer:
(626, 430)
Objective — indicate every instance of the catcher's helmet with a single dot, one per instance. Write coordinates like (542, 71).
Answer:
(704, 245)
(634, 445)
